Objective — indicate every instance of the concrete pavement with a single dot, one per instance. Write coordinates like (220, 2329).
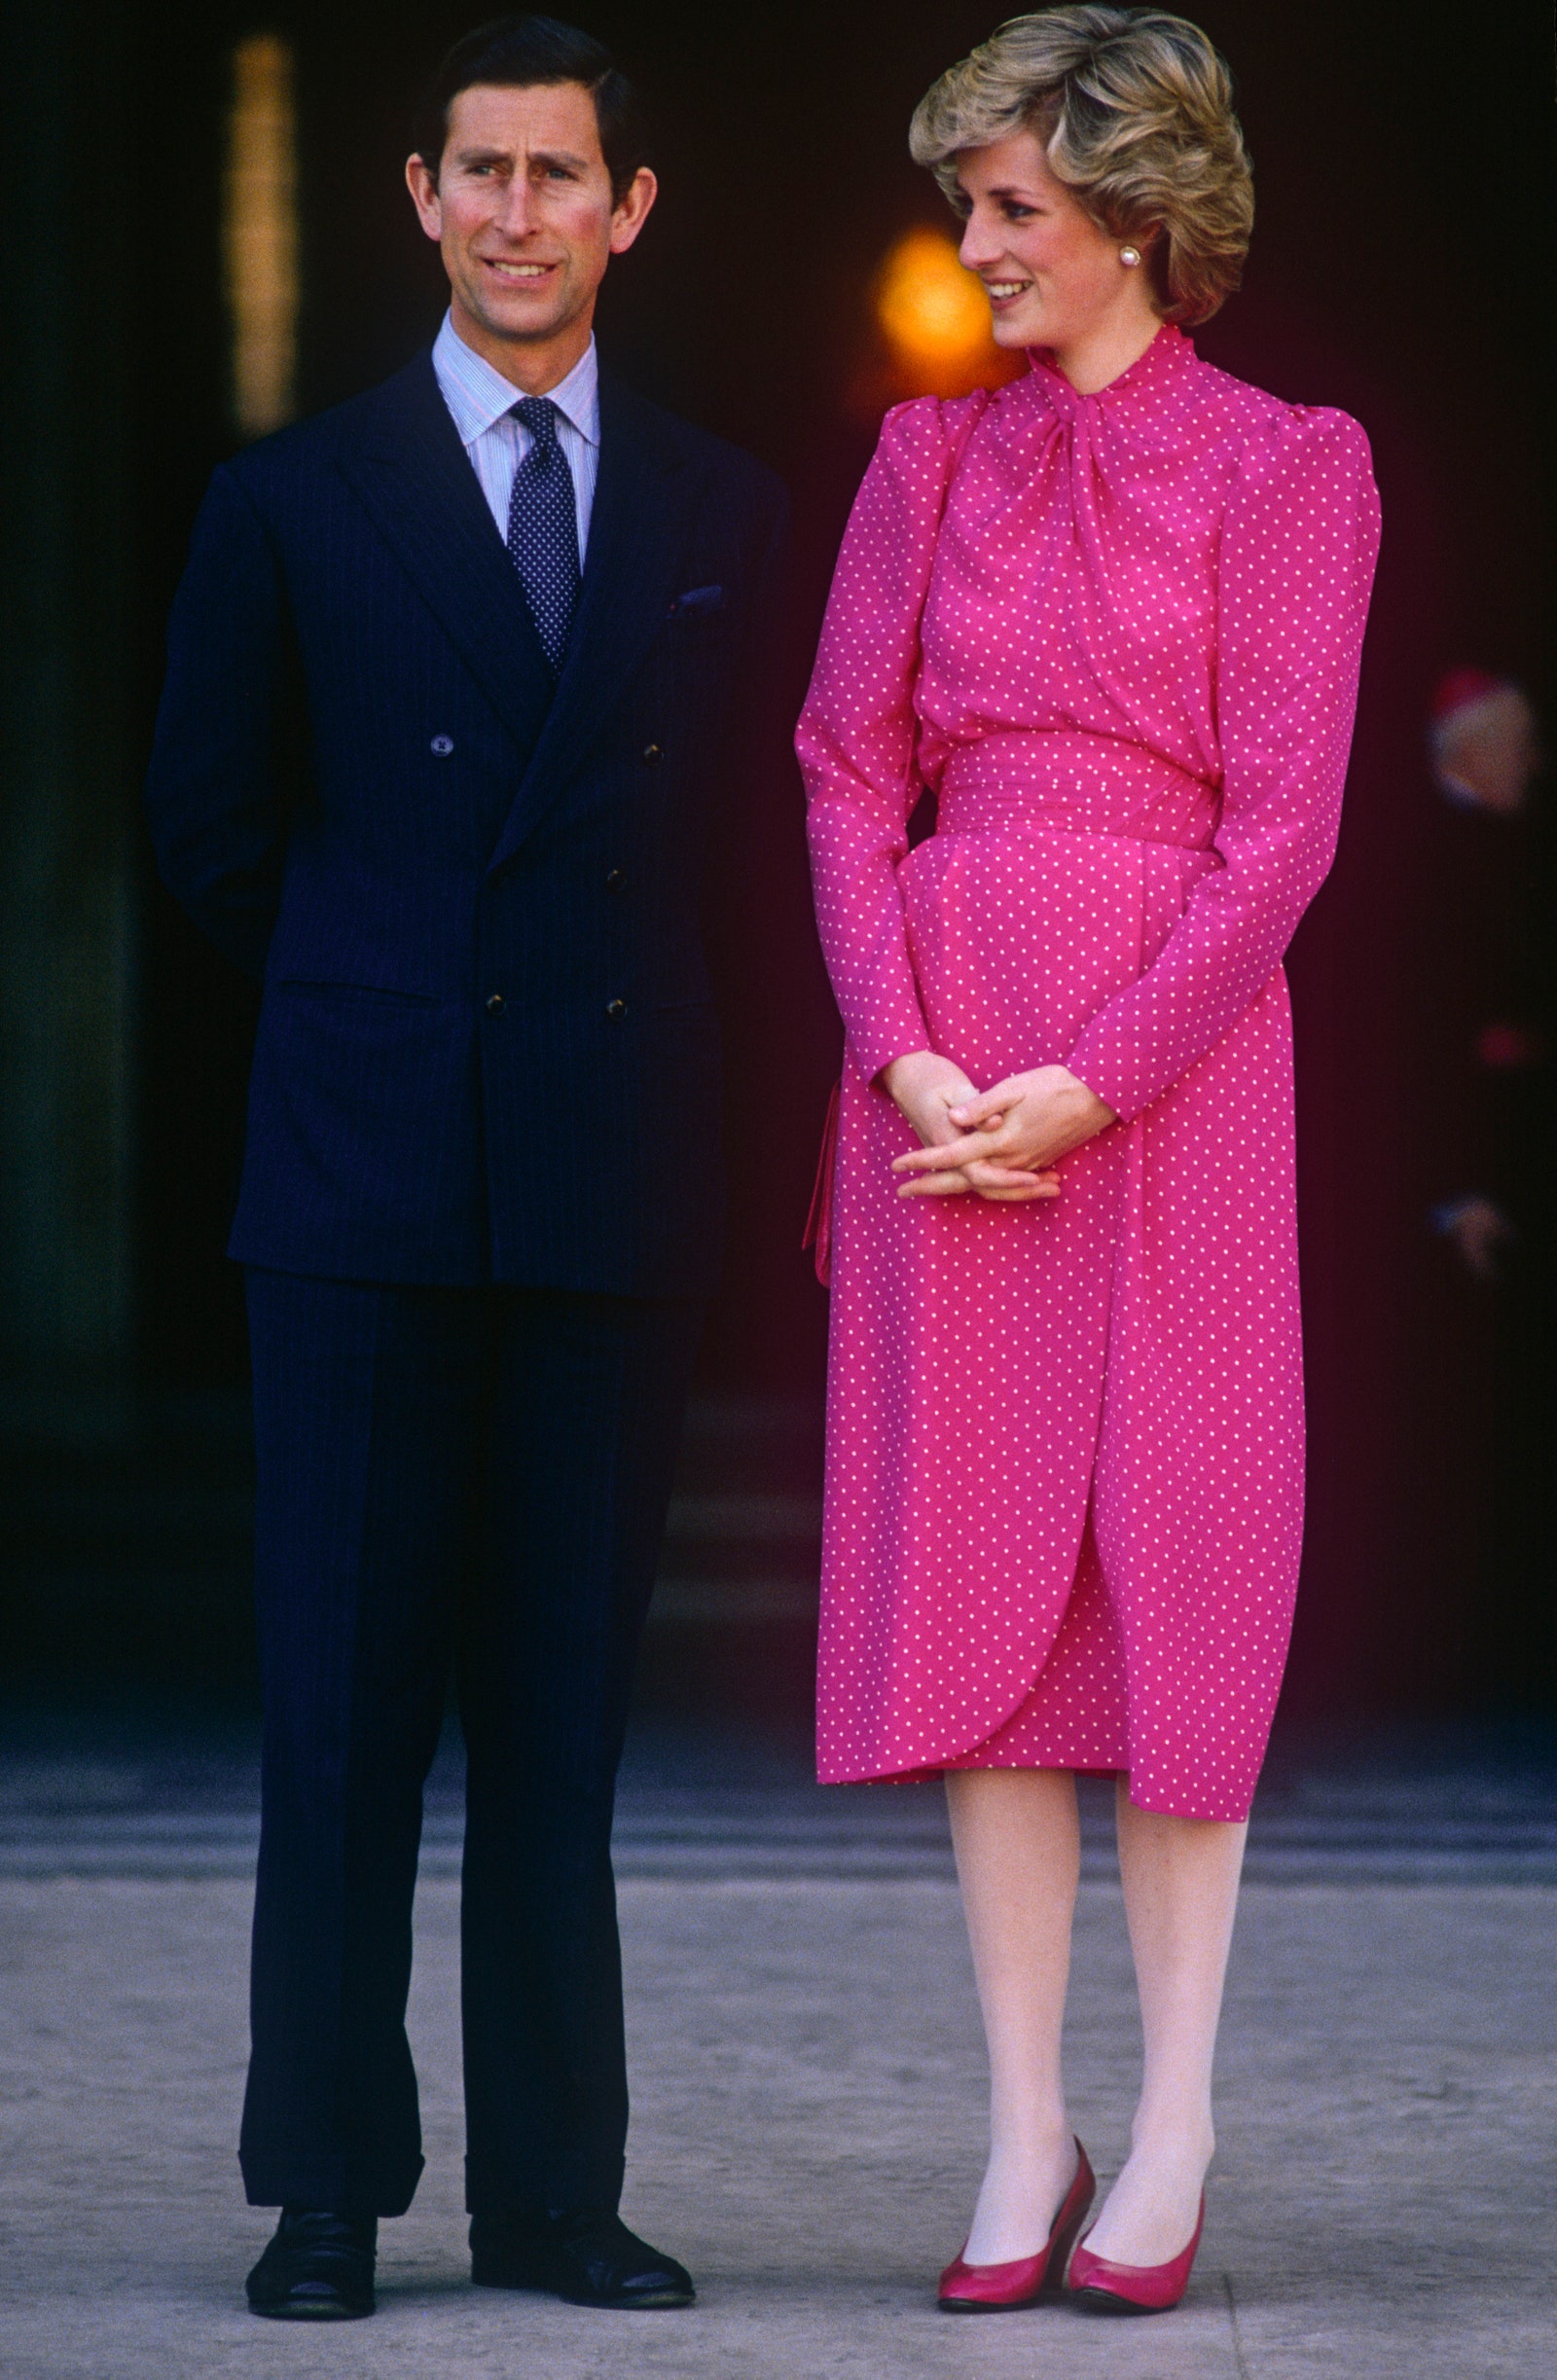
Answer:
(807, 2135)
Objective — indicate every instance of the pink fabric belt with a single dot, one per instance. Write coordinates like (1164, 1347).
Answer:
(1082, 784)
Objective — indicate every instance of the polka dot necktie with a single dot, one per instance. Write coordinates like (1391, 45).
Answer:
(543, 529)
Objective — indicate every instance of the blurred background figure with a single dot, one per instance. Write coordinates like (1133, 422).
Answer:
(1479, 1230)
(1481, 1407)
(1484, 745)
(1483, 740)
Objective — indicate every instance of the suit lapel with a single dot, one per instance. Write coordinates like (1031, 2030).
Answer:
(415, 478)
(629, 575)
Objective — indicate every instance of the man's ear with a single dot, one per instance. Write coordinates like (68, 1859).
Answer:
(631, 210)
(422, 184)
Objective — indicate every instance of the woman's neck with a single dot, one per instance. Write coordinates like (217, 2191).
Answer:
(1091, 362)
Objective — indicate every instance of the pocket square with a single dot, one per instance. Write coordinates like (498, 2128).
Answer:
(699, 600)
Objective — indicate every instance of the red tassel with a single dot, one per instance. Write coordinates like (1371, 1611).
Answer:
(819, 1222)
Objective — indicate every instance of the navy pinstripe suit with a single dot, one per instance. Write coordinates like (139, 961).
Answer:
(480, 1211)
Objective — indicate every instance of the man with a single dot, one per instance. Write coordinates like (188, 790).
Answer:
(447, 722)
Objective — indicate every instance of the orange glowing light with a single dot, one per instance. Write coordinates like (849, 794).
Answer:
(930, 328)
(934, 311)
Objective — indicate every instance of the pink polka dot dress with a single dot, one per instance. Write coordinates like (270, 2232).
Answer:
(1117, 637)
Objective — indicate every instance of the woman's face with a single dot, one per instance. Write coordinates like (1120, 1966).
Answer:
(1053, 275)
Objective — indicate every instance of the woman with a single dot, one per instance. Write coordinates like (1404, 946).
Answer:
(1111, 617)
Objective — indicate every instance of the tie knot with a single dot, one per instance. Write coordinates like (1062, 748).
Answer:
(539, 416)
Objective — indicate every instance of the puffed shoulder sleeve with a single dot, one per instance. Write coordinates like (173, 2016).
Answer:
(857, 731)
(1298, 546)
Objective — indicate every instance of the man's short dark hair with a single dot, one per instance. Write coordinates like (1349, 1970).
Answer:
(517, 53)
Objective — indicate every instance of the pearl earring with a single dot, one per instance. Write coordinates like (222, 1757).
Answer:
(1130, 256)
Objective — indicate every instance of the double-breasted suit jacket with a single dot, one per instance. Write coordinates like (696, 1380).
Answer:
(473, 894)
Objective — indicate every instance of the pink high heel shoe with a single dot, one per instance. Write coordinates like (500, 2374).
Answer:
(999, 2288)
(1103, 2287)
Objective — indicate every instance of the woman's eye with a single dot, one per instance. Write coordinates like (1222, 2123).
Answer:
(1015, 212)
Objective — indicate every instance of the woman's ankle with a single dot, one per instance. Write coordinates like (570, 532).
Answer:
(1025, 2183)
(1150, 2211)
(1165, 2140)
(1032, 2142)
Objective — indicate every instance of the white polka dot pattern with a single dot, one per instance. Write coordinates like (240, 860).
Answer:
(1118, 637)
(543, 530)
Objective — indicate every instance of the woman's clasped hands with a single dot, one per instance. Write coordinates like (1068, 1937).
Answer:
(1003, 1143)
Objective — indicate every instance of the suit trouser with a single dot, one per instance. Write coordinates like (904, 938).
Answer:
(479, 1475)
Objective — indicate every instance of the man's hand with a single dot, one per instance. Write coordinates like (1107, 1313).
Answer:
(930, 1091)
(1012, 1134)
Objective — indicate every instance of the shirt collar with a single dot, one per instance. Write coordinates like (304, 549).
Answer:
(477, 394)
(1135, 389)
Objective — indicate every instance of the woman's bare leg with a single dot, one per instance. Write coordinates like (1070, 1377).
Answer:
(1018, 1859)
(1181, 1885)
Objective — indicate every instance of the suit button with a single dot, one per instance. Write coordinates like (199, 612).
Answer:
(653, 754)
(615, 1009)
(494, 1005)
(616, 882)
(443, 745)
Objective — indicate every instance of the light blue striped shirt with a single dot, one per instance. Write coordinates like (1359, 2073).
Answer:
(479, 399)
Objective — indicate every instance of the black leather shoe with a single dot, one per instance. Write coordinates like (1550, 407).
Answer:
(319, 2269)
(577, 2253)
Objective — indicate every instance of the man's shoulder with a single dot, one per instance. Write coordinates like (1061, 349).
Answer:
(383, 415)
(738, 473)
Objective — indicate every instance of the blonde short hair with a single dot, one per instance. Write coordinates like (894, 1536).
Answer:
(1135, 112)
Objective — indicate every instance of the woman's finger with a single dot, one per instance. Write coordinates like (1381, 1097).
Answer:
(1003, 1176)
(986, 1103)
(929, 1160)
(1010, 1190)
(935, 1185)
(1003, 1184)
(1018, 1198)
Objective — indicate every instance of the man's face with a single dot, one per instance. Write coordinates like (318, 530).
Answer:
(523, 215)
